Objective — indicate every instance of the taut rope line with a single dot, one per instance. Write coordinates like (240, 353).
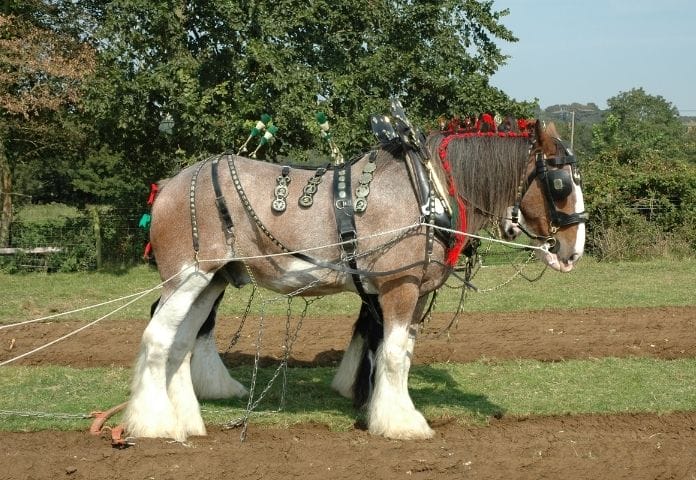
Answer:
(543, 248)
(78, 309)
(68, 335)
(143, 293)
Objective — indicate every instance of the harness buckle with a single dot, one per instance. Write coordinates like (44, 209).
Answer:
(342, 203)
(349, 244)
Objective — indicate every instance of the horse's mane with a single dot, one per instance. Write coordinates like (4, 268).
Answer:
(486, 170)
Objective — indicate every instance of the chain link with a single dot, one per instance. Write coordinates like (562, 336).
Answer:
(290, 338)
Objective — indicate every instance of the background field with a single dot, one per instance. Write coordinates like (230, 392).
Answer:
(602, 348)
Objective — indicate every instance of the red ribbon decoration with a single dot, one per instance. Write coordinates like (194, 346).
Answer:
(153, 193)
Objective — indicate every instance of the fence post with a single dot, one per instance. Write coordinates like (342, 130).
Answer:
(97, 236)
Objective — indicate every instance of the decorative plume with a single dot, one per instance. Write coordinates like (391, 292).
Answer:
(260, 126)
(327, 137)
(268, 136)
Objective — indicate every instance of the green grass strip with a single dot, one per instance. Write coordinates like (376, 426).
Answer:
(468, 393)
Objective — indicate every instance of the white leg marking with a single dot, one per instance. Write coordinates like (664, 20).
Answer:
(391, 412)
(163, 403)
(186, 408)
(211, 380)
(345, 375)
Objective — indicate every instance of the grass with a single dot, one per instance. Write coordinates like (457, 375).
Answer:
(468, 393)
(591, 285)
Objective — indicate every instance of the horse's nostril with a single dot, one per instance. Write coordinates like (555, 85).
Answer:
(573, 258)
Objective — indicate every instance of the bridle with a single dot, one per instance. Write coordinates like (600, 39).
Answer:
(556, 185)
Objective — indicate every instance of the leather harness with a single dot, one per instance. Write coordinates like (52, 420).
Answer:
(412, 144)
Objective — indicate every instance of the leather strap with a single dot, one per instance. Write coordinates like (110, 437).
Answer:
(224, 212)
(343, 209)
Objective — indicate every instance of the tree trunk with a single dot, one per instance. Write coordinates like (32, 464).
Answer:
(5, 197)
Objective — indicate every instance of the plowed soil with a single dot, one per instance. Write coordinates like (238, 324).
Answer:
(636, 446)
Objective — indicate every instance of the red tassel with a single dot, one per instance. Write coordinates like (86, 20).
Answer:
(460, 240)
(153, 193)
(148, 250)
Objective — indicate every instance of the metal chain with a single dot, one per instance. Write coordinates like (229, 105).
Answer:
(518, 272)
(247, 204)
(470, 273)
(290, 339)
(192, 207)
(236, 336)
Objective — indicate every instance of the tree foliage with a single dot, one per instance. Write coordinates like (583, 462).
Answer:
(638, 125)
(84, 86)
(41, 72)
(215, 66)
(641, 179)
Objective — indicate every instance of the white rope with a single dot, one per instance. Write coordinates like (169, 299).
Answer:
(543, 248)
(142, 294)
(68, 335)
(76, 310)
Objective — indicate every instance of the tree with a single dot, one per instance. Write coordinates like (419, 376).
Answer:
(640, 180)
(215, 66)
(639, 124)
(41, 69)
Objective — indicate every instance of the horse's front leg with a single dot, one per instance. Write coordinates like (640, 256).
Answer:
(163, 402)
(391, 411)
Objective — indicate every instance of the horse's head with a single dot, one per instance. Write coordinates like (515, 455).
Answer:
(551, 201)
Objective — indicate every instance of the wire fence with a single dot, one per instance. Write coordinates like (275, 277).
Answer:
(85, 240)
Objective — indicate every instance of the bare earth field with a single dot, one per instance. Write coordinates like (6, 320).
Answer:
(636, 446)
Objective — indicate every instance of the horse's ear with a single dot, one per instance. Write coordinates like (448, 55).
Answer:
(538, 130)
(551, 130)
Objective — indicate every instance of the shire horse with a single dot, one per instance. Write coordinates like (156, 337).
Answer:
(201, 249)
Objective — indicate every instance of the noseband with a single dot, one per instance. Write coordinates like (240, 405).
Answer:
(556, 185)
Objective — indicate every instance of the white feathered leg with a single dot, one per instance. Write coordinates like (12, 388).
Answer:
(211, 379)
(391, 411)
(162, 402)
(345, 375)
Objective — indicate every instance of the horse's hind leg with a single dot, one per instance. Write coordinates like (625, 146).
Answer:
(163, 403)
(211, 379)
(344, 380)
(391, 411)
(354, 378)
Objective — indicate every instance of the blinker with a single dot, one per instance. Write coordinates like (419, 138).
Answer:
(560, 184)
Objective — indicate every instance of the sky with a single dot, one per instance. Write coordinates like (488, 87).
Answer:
(591, 50)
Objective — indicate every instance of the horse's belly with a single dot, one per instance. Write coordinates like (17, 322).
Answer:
(301, 278)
